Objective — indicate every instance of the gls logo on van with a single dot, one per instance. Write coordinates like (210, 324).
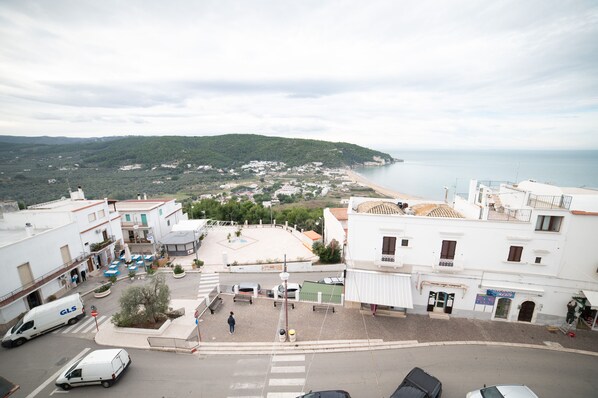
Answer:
(68, 310)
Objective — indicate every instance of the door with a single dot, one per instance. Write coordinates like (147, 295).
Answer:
(90, 265)
(105, 235)
(33, 299)
(144, 220)
(431, 301)
(503, 305)
(449, 303)
(526, 312)
(441, 298)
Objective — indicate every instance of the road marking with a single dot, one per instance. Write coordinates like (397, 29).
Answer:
(57, 391)
(284, 394)
(247, 386)
(287, 369)
(248, 372)
(288, 358)
(55, 375)
(93, 324)
(286, 382)
(82, 325)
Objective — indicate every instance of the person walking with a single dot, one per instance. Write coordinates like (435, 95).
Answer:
(231, 322)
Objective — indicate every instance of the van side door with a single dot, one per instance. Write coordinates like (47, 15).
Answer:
(76, 377)
(28, 330)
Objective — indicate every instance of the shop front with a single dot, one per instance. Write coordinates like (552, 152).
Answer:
(589, 313)
(511, 301)
(379, 293)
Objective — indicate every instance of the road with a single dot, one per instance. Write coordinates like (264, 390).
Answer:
(363, 374)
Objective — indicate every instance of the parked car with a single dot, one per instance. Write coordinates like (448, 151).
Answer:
(333, 281)
(99, 367)
(418, 384)
(246, 287)
(293, 288)
(326, 394)
(501, 391)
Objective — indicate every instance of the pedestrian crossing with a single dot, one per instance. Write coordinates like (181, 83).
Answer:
(85, 326)
(281, 376)
(207, 283)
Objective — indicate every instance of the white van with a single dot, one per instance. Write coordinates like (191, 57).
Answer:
(98, 367)
(44, 319)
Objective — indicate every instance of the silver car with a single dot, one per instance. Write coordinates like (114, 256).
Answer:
(502, 391)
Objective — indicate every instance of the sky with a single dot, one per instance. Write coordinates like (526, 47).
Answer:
(386, 75)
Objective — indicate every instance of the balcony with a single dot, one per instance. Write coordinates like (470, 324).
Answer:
(448, 265)
(510, 215)
(98, 247)
(389, 260)
(549, 202)
(40, 281)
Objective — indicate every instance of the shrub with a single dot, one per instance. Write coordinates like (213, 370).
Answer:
(112, 279)
(198, 263)
(142, 304)
(132, 274)
(178, 269)
(330, 254)
(103, 288)
(151, 271)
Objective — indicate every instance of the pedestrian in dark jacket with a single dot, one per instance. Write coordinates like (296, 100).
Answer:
(231, 323)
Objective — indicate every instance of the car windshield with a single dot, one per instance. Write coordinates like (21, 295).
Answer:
(17, 326)
(491, 392)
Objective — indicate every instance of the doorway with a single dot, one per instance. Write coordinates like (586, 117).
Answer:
(441, 302)
(526, 312)
(503, 305)
(34, 299)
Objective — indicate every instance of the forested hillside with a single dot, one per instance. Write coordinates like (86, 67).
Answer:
(37, 169)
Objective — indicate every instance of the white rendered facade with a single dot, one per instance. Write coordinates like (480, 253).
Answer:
(45, 246)
(497, 248)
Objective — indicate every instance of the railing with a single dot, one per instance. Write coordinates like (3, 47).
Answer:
(31, 286)
(549, 202)
(448, 264)
(494, 184)
(512, 215)
(389, 260)
(96, 247)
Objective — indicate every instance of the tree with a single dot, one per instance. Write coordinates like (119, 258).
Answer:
(143, 304)
(330, 254)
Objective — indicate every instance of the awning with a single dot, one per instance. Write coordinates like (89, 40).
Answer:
(378, 288)
(592, 298)
(513, 287)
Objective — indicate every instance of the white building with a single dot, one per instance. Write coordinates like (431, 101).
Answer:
(44, 247)
(514, 252)
(146, 221)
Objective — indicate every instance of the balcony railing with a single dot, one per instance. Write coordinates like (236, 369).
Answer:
(42, 280)
(447, 264)
(389, 260)
(511, 215)
(549, 202)
(97, 247)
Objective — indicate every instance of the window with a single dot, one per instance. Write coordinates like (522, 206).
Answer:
(538, 260)
(168, 223)
(515, 253)
(160, 211)
(127, 217)
(101, 214)
(26, 326)
(448, 249)
(404, 242)
(549, 223)
(76, 373)
(91, 217)
(388, 245)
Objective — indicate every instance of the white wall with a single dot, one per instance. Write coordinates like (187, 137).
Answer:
(580, 258)
(333, 229)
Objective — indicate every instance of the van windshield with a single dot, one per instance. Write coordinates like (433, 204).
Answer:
(72, 367)
(17, 326)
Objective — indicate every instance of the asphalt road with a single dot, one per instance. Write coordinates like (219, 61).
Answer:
(363, 374)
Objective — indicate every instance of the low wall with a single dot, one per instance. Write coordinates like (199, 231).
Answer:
(299, 266)
(155, 332)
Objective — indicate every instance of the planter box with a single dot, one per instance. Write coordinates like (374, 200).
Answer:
(179, 276)
(103, 294)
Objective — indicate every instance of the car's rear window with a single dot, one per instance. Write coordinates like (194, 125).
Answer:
(491, 392)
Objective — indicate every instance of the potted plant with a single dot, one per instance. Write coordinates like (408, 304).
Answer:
(132, 274)
(102, 291)
(197, 263)
(178, 271)
(112, 279)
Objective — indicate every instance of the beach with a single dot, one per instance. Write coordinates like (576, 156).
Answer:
(359, 179)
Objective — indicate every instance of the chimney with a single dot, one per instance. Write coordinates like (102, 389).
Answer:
(79, 195)
(29, 229)
(138, 196)
(144, 196)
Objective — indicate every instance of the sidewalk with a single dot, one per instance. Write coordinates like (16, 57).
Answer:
(258, 324)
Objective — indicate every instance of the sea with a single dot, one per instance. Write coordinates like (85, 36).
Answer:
(426, 174)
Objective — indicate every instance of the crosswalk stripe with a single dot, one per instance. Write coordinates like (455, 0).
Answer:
(206, 277)
(93, 324)
(286, 382)
(247, 386)
(288, 358)
(284, 394)
(287, 369)
(80, 326)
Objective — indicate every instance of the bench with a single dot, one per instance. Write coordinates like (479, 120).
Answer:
(281, 302)
(243, 297)
(322, 307)
(215, 305)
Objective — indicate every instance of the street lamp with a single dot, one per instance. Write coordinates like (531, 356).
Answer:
(284, 276)
(195, 244)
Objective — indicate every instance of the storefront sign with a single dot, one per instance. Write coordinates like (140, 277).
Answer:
(500, 293)
(484, 299)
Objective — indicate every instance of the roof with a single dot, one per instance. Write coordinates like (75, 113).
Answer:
(435, 210)
(64, 205)
(178, 237)
(141, 205)
(189, 225)
(379, 207)
(330, 293)
(340, 213)
(313, 235)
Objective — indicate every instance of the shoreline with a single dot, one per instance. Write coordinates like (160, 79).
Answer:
(359, 179)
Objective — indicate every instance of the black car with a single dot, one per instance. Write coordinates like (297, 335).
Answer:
(326, 394)
(418, 384)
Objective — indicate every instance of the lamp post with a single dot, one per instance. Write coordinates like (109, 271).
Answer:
(284, 276)
(195, 244)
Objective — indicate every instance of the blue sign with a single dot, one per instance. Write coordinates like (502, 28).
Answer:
(500, 293)
(484, 299)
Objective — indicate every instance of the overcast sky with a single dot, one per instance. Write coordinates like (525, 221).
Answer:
(382, 74)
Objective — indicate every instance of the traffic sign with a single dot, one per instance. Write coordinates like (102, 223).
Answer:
(94, 313)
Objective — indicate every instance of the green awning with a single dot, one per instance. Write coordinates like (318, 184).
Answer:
(330, 293)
